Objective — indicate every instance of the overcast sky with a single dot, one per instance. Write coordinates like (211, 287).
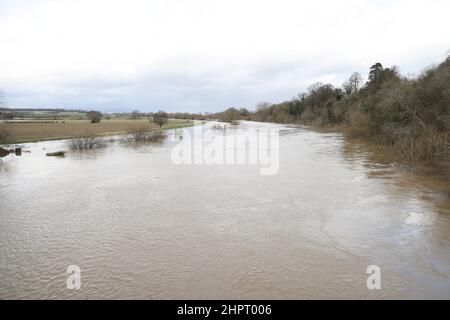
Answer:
(205, 55)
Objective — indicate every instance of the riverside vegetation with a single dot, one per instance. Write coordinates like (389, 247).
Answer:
(410, 117)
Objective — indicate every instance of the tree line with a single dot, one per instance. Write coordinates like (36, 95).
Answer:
(410, 116)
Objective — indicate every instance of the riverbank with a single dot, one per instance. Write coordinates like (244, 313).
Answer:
(408, 117)
(388, 152)
(34, 131)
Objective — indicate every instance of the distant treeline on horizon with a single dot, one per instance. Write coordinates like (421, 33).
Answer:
(42, 109)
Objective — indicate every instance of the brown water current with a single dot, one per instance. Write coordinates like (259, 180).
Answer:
(140, 226)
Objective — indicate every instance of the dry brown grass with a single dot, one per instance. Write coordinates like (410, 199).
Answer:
(30, 131)
(5, 134)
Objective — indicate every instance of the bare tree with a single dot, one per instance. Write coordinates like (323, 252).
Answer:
(353, 83)
(160, 118)
(94, 116)
(136, 114)
(263, 106)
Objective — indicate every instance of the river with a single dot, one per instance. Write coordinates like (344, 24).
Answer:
(140, 226)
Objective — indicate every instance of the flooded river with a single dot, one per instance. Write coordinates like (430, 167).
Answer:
(140, 226)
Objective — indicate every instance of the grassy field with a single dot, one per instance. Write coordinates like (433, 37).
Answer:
(32, 131)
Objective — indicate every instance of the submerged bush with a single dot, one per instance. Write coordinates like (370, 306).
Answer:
(143, 135)
(86, 143)
(157, 136)
(218, 127)
(56, 154)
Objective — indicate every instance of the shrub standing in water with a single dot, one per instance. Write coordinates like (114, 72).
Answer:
(144, 135)
(139, 134)
(86, 143)
(157, 136)
(218, 127)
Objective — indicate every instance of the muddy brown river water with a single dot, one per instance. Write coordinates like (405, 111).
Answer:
(140, 226)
